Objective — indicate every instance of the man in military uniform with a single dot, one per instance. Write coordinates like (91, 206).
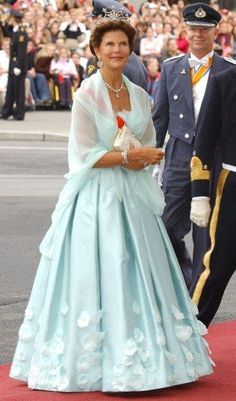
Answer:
(134, 69)
(216, 124)
(183, 82)
(17, 70)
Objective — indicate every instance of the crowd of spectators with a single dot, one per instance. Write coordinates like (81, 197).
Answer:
(58, 48)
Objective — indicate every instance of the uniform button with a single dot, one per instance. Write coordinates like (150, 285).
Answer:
(181, 116)
(175, 97)
(186, 136)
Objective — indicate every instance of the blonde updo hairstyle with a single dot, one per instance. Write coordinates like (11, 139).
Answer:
(108, 26)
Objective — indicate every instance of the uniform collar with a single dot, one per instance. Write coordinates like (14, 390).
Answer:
(207, 56)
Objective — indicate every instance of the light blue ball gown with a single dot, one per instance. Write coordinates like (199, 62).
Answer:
(109, 309)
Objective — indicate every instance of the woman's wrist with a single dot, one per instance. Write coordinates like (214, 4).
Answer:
(135, 154)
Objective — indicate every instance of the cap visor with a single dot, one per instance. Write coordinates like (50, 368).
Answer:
(198, 23)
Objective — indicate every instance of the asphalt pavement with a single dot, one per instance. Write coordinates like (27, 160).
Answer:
(26, 206)
(31, 177)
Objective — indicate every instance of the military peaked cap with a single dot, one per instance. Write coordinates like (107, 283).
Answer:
(200, 14)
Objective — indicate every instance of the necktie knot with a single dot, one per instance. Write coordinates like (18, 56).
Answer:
(193, 62)
(202, 68)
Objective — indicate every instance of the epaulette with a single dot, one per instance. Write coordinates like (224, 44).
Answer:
(230, 60)
(91, 69)
(174, 57)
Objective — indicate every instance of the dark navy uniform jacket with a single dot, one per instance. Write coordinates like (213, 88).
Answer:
(173, 105)
(216, 124)
(18, 49)
(135, 70)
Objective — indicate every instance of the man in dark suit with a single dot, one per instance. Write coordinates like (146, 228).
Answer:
(216, 124)
(17, 70)
(134, 69)
(183, 82)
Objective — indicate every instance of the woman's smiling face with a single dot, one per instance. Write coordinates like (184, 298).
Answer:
(114, 50)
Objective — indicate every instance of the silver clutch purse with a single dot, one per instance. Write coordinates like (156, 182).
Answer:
(125, 140)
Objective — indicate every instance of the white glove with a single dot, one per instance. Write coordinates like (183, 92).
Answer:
(200, 211)
(156, 171)
(16, 71)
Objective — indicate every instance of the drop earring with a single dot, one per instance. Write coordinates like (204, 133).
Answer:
(100, 63)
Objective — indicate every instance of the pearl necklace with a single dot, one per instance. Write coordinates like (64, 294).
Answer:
(116, 91)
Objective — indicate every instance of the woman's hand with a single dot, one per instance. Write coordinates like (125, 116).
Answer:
(137, 159)
(146, 155)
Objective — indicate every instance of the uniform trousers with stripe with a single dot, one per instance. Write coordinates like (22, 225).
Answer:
(177, 190)
(220, 260)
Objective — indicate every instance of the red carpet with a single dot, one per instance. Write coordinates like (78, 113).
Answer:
(221, 386)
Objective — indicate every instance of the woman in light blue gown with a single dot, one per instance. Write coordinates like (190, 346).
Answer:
(109, 310)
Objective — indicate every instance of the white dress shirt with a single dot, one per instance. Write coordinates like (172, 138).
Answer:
(200, 87)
